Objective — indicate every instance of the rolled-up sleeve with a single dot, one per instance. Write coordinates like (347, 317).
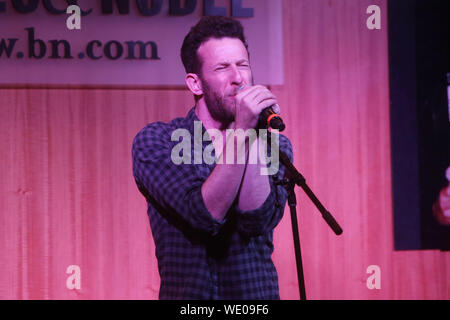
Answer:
(264, 219)
(176, 188)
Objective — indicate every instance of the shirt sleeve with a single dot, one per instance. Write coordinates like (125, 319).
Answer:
(259, 221)
(175, 188)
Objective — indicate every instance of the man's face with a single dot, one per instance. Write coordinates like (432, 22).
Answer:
(225, 68)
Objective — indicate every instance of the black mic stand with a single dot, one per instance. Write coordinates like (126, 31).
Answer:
(292, 178)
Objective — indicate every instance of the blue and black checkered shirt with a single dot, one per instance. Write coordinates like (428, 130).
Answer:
(198, 256)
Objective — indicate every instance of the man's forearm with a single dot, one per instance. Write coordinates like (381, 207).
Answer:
(255, 186)
(222, 186)
(228, 181)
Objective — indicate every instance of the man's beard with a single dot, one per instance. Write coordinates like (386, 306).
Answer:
(217, 105)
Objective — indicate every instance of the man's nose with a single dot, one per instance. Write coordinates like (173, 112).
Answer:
(236, 76)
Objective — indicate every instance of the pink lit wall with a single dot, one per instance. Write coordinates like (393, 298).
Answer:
(67, 195)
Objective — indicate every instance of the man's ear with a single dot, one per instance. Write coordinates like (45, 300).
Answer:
(194, 84)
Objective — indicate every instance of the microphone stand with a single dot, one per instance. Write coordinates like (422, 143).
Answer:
(292, 178)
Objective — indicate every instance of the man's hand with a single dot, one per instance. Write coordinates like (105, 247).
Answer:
(250, 101)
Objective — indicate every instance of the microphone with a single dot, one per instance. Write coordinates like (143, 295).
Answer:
(268, 118)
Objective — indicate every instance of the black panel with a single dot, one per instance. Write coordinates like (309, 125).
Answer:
(419, 59)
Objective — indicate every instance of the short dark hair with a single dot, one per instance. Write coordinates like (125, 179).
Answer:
(207, 28)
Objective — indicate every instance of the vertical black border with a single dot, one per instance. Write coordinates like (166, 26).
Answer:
(404, 132)
(419, 59)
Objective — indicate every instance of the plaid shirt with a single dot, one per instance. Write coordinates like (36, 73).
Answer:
(198, 256)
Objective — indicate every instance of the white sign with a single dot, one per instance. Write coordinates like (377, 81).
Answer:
(42, 42)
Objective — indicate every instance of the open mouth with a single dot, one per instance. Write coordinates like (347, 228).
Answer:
(237, 91)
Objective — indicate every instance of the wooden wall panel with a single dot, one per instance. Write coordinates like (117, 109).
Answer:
(68, 196)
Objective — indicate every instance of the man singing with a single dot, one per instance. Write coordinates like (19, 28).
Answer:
(213, 223)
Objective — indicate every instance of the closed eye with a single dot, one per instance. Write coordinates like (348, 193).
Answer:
(243, 63)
